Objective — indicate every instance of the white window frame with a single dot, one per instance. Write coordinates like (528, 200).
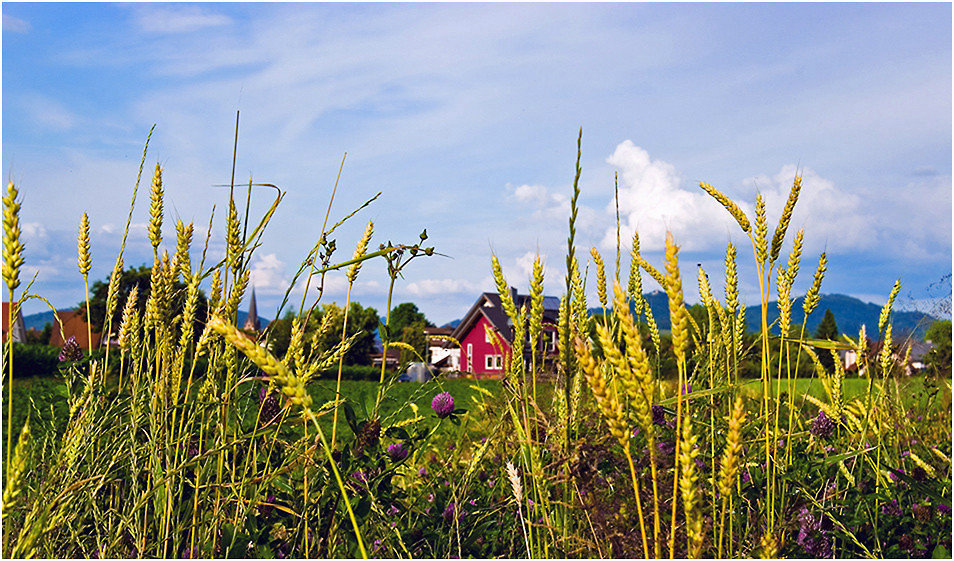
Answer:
(493, 362)
(470, 357)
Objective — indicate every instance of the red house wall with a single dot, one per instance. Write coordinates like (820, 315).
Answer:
(475, 340)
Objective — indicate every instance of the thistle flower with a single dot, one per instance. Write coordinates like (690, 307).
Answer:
(397, 452)
(71, 350)
(443, 404)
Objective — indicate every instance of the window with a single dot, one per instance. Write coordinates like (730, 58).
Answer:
(470, 357)
(488, 338)
(493, 362)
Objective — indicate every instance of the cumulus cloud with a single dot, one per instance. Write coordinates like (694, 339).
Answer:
(830, 216)
(268, 274)
(652, 201)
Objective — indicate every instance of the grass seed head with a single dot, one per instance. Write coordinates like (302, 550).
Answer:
(360, 251)
(12, 246)
(155, 209)
(600, 277)
(82, 245)
(733, 208)
(761, 230)
(813, 295)
(786, 217)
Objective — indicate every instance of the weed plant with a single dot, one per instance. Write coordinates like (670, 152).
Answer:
(191, 439)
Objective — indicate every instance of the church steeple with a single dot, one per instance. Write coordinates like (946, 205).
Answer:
(251, 322)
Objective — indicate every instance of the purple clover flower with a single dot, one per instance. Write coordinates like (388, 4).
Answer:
(397, 452)
(891, 508)
(822, 426)
(443, 405)
(812, 537)
(71, 350)
(659, 415)
(449, 512)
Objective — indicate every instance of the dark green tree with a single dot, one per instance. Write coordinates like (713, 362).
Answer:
(129, 278)
(362, 321)
(939, 358)
(828, 330)
(406, 323)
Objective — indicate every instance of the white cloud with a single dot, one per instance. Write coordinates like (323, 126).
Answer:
(430, 287)
(169, 19)
(33, 230)
(49, 113)
(15, 25)
(268, 274)
(830, 216)
(652, 201)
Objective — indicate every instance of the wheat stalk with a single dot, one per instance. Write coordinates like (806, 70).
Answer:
(786, 217)
(155, 211)
(725, 201)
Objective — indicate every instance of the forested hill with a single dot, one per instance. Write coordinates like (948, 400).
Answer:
(850, 313)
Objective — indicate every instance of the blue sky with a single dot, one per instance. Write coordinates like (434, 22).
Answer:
(465, 117)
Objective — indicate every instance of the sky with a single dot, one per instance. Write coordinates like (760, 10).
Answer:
(465, 118)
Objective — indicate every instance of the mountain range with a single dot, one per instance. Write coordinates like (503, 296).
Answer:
(850, 314)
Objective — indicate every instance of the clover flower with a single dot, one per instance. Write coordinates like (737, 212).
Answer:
(449, 512)
(71, 350)
(812, 536)
(443, 404)
(397, 452)
(270, 406)
(659, 415)
(822, 426)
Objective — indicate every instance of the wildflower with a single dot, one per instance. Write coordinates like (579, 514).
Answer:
(71, 350)
(945, 509)
(659, 415)
(430, 497)
(265, 508)
(822, 426)
(393, 510)
(449, 512)
(376, 545)
(422, 472)
(921, 512)
(270, 406)
(812, 537)
(397, 452)
(667, 447)
(891, 508)
(443, 404)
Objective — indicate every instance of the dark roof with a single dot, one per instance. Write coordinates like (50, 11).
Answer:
(489, 306)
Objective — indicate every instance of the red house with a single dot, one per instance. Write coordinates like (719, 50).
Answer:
(486, 333)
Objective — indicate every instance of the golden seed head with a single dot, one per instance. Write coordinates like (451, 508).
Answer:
(82, 244)
(731, 280)
(761, 229)
(514, 476)
(600, 277)
(677, 310)
(786, 217)
(183, 242)
(813, 295)
(233, 238)
(360, 251)
(130, 319)
(733, 208)
(635, 287)
(536, 300)
(886, 310)
(155, 209)
(12, 246)
(503, 289)
(784, 289)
